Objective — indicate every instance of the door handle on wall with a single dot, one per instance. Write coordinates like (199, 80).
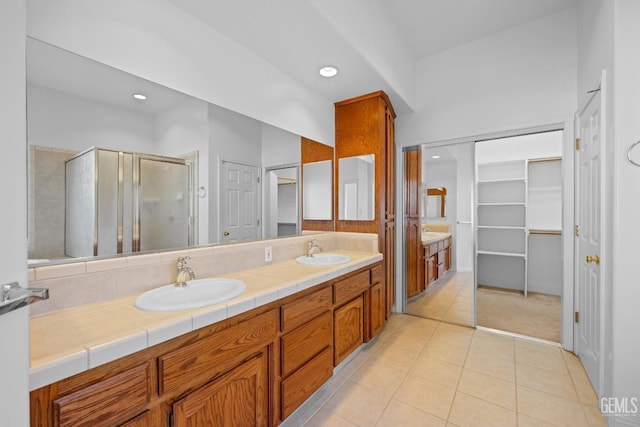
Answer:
(226, 233)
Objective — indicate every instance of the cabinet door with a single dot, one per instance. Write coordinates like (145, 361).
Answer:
(348, 329)
(237, 398)
(389, 265)
(376, 309)
(431, 269)
(414, 257)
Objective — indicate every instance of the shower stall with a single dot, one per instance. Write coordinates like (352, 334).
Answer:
(119, 202)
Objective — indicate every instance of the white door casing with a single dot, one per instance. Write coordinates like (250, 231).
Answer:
(239, 202)
(589, 295)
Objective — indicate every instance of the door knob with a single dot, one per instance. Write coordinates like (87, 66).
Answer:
(226, 233)
(595, 259)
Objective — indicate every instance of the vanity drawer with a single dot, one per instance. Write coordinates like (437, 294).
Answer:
(201, 359)
(441, 245)
(447, 242)
(350, 287)
(431, 249)
(306, 308)
(109, 402)
(300, 345)
(302, 384)
(377, 274)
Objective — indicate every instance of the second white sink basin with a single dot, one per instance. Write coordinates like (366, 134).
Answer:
(197, 293)
(323, 259)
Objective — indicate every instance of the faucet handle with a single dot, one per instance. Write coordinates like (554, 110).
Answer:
(181, 262)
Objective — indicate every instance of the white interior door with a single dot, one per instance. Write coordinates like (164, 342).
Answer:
(588, 292)
(239, 202)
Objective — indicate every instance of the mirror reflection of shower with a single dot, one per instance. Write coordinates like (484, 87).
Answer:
(444, 291)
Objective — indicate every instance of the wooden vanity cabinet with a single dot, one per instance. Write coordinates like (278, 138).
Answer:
(306, 348)
(253, 369)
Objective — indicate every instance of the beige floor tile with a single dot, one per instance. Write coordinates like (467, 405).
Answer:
(325, 419)
(445, 351)
(500, 368)
(462, 341)
(379, 375)
(546, 381)
(473, 412)
(594, 416)
(358, 404)
(497, 349)
(586, 394)
(400, 414)
(550, 408)
(459, 317)
(399, 358)
(406, 342)
(549, 359)
(489, 388)
(436, 370)
(527, 421)
(426, 395)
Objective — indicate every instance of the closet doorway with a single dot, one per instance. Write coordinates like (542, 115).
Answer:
(282, 194)
(518, 230)
(439, 233)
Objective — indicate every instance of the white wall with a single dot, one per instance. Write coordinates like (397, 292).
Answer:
(279, 147)
(156, 40)
(14, 327)
(518, 78)
(64, 121)
(624, 289)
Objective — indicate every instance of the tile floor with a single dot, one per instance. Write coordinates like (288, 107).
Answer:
(449, 299)
(422, 372)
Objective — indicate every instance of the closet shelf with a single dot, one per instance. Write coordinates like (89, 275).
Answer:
(501, 227)
(494, 181)
(547, 232)
(509, 254)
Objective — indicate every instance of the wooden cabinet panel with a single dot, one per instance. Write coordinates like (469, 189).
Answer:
(351, 286)
(146, 419)
(414, 258)
(306, 308)
(300, 345)
(376, 310)
(390, 266)
(237, 398)
(302, 384)
(431, 267)
(200, 360)
(348, 329)
(377, 274)
(109, 402)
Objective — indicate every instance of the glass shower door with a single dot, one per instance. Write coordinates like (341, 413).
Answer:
(164, 205)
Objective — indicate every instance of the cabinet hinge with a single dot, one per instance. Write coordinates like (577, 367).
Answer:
(577, 230)
(577, 143)
(576, 317)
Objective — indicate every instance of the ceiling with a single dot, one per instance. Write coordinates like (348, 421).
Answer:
(300, 36)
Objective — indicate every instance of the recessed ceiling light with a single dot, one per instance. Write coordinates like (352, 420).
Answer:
(328, 71)
(140, 96)
(435, 157)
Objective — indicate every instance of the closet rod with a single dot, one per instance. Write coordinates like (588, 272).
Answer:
(547, 232)
(545, 159)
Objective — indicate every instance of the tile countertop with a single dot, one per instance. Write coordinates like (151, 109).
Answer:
(430, 237)
(67, 342)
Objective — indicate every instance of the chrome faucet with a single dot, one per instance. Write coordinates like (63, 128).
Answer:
(183, 272)
(311, 244)
(13, 296)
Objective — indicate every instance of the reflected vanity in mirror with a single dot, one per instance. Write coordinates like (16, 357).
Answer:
(211, 162)
(356, 193)
(436, 199)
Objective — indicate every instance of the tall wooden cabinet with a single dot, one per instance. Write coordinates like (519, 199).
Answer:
(414, 253)
(365, 125)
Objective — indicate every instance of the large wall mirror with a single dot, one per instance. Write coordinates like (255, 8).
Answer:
(140, 166)
(356, 193)
(318, 181)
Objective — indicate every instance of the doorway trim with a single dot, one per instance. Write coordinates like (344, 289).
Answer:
(265, 171)
(568, 223)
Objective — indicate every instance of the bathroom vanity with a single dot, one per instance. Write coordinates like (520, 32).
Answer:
(253, 360)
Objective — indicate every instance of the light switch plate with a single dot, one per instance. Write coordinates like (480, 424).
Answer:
(268, 256)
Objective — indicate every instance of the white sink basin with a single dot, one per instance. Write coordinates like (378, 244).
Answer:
(197, 293)
(323, 259)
